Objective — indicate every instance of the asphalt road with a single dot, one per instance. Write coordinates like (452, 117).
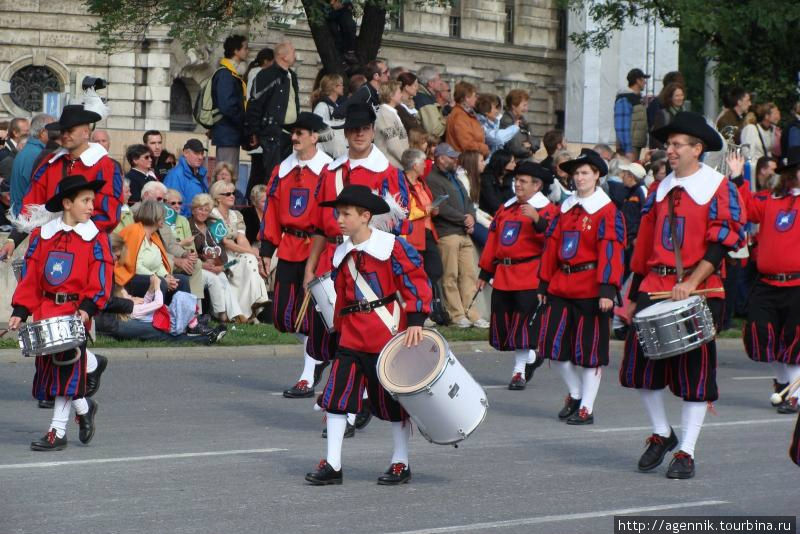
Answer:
(210, 446)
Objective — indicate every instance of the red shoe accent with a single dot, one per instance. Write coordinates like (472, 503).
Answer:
(655, 438)
(303, 384)
(682, 454)
(583, 413)
(517, 376)
(398, 468)
(322, 463)
(568, 399)
(51, 436)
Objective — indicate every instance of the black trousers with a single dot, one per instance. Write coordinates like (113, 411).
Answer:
(140, 283)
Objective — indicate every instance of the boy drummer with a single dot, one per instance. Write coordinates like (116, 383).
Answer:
(68, 271)
(370, 268)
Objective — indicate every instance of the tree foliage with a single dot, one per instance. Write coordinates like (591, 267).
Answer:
(754, 41)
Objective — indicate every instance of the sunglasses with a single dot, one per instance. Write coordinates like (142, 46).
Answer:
(228, 194)
(159, 199)
(176, 203)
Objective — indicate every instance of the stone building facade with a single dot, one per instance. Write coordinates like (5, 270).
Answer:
(498, 45)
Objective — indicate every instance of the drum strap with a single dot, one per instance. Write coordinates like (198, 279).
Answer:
(673, 231)
(339, 181)
(392, 321)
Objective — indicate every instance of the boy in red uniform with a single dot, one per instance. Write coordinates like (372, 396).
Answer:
(580, 274)
(511, 257)
(290, 211)
(370, 268)
(703, 211)
(772, 330)
(68, 270)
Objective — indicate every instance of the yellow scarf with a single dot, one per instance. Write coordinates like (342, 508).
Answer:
(228, 64)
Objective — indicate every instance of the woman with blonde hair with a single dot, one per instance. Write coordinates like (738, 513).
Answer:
(324, 102)
(225, 172)
(243, 263)
(390, 134)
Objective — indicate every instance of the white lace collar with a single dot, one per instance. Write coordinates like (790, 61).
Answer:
(379, 245)
(89, 157)
(592, 204)
(701, 185)
(538, 201)
(375, 162)
(316, 163)
(86, 230)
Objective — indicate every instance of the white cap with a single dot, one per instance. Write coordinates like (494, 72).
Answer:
(633, 168)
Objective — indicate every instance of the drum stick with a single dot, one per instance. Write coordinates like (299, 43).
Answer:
(302, 313)
(786, 392)
(3, 332)
(658, 295)
(478, 292)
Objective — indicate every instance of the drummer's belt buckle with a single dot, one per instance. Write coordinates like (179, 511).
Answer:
(506, 261)
(565, 267)
(662, 270)
(61, 298)
(363, 306)
(780, 277)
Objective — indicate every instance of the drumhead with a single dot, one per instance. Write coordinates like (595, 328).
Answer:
(668, 306)
(404, 370)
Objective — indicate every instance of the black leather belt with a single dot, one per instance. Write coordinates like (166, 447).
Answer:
(295, 232)
(61, 298)
(579, 267)
(664, 270)
(339, 239)
(781, 277)
(367, 305)
(514, 261)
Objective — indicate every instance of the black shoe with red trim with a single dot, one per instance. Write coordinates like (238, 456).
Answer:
(93, 378)
(581, 417)
(301, 390)
(657, 447)
(86, 423)
(517, 382)
(325, 475)
(788, 407)
(570, 407)
(398, 473)
(50, 442)
(681, 466)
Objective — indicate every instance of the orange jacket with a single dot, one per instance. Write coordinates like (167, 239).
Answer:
(464, 132)
(133, 235)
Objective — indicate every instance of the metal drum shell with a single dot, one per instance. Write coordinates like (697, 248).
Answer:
(324, 296)
(680, 328)
(51, 336)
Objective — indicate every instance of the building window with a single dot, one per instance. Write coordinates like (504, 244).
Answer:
(509, 30)
(29, 84)
(396, 21)
(561, 37)
(455, 26)
(180, 108)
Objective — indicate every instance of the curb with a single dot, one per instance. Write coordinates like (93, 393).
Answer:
(260, 351)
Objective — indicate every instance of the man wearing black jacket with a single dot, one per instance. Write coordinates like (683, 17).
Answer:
(274, 102)
(377, 73)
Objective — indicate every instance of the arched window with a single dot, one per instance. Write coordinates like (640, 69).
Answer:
(29, 83)
(180, 107)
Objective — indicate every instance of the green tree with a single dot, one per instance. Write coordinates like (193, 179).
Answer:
(754, 41)
(193, 23)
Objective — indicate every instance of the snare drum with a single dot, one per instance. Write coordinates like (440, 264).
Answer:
(51, 336)
(669, 328)
(324, 295)
(16, 266)
(441, 397)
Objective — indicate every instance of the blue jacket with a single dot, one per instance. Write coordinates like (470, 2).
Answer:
(21, 172)
(188, 183)
(226, 92)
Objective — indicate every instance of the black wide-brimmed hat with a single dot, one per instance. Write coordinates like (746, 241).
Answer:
(588, 156)
(74, 115)
(694, 124)
(307, 121)
(358, 114)
(529, 168)
(792, 160)
(68, 185)
(361, 196)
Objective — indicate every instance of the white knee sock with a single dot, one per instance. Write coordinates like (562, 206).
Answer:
(692, 415)
(520, 359)
(309, 364)
(60, 415)
(653, 400)
(351, 419)
(401, 433)
(591, 384)
(571, 378)
(81, 406)
(781, 374)
(91, 361)
(531, 356)
(337, 423)
(792, 374)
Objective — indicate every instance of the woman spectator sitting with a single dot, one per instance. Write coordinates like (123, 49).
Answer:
(224, 303)
(418, 139)
(488, 109)
(671, 98)
(409, 85)
(390, 134)
(497, 182)
(523, 145)
(145, 255)
(243, 263)
(324, 102)
(141, 161)
(125, 215)
(224, 171)
(463, 131)
(561, 188)
(470, 166)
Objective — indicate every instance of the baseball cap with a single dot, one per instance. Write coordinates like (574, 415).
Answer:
(195, 145)
(635, 74)
(443, 149)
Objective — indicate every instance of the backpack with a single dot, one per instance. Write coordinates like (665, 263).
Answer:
(204, 112)
(785, 136)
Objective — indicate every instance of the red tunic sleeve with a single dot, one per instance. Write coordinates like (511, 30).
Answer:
(486, 263)
(108, 201)
(549, 264)
(28, 295)
(726, 217)
(610, 250)
(644, 239)
(100, 279)
(411, 281)
(270, 231)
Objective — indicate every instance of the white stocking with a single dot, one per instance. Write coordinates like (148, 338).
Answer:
(591, 384)
(571, 378)
(653, 400)
(60, 415)
(401, 433)
(337, 423)
(692, 416)
(520, 359)
(91, 361)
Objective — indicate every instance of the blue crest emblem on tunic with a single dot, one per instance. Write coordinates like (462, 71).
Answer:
(785, 220)
(298, 201)
(569, 244)
(510, 232)
(666, 235)
(58, 267)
